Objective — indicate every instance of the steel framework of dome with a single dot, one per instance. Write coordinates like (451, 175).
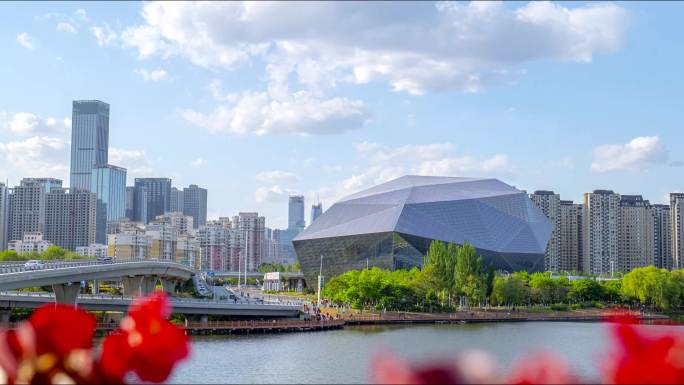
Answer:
(392, 225)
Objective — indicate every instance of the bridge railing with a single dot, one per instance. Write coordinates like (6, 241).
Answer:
(19, 267)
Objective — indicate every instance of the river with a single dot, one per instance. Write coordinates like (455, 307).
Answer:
(343, 356)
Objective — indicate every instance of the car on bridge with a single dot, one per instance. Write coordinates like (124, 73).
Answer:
(33, 264)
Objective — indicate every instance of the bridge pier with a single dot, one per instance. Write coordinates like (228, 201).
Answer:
(138, 286)
(96, 286)
(67, 293)
(169, 286)
(5, 316)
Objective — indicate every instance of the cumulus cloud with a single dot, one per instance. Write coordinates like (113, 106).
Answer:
(154, 75)
(447, 46)
(276, 176)
(66, 27)
(136, 162)
(261, 113)
(638, 154)
(29, 123)
(39, 156)
(25, 40)
(199, 162)
(384, 163)
(271, 194)
(104, 35)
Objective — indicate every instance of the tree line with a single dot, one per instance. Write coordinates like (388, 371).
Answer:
(52, 253)
(454, 276)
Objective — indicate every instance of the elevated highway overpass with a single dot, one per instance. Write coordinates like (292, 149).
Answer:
(179, 306)
(138, 277)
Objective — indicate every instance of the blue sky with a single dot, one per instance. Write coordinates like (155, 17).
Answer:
(257, 101)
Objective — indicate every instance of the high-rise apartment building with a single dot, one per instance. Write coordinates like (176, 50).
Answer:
(550, 205)
(129, 244)
(4, 216)
(176, 200)
(635, 239)
(109, 185)
(183, 223)
(70, 218)
(195, 204)
(570, 234)
(27, 213)
(89, 140)
(316, 211)
(157, 193)
(600, 230)
(662, 236)
(251, 225)
(677, 218)
(295, 218)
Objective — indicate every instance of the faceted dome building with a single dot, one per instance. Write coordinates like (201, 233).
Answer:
(392, 225)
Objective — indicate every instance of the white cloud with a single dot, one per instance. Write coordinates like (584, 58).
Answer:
(259, 113)
(271, 194)
(154, 75)
(136, 162)
(199, 162)
(276, 176)
(25, 40)
(384, 163)
(638, 154)
(66, 27)
(448, 46)
(38, 156)
(104, 35)
(29, 123)
(81, 14)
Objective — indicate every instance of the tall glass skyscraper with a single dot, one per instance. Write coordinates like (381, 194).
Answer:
(316, 211)
(158, 196)
(195, 204)
(295, 218)
(109, 184)
(89, 140)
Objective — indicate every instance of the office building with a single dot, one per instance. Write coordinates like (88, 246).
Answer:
(635, 240)
(662, 236)
(392, 225)
(677, 219)
(600, 230)
(176, 200)
(4, 216)
(195, 204)
(570, 256)
(70, 218)
(549, 203)
(316, 211)
(157, 195)
(89, 141)
(109, 186)
(295, 217)
(31, 242)
(136, 203)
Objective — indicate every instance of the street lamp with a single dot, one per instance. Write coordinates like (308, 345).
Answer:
(320, 281)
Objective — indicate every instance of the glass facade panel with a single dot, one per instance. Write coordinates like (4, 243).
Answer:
(89, 140)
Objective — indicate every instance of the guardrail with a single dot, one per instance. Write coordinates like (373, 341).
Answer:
(7, 268)
(171, 299)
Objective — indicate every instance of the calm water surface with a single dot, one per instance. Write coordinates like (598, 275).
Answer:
(342, 356)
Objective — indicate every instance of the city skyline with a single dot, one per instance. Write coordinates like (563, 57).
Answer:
(624, 135)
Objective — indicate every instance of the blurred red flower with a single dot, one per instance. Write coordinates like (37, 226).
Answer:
(644, 358)
(147, 343)
(55, 346)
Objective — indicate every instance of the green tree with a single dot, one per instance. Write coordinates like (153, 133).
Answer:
(468, 275)
(585, 289)
(509, 290)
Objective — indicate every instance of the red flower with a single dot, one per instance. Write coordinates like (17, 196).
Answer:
(542, 369)
(645, 358)
(147, 343)
(390, 370)
(53, 346)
